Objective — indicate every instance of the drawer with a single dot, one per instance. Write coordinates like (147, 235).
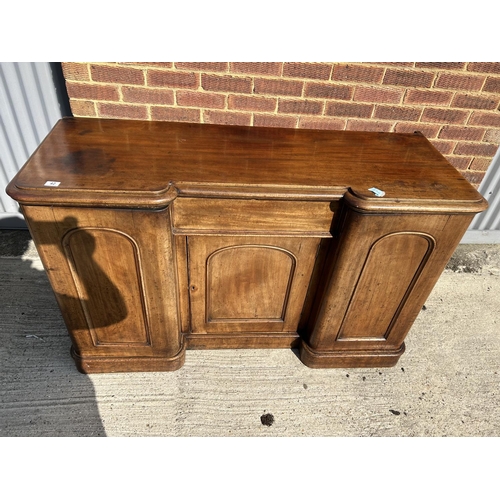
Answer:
(207, 215)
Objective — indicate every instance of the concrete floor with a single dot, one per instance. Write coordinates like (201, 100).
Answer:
(446, 384)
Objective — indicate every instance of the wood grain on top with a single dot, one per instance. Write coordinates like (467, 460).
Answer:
(146, 164)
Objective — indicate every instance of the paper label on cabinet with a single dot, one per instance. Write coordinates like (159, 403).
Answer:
(377, 192)
(52, 183)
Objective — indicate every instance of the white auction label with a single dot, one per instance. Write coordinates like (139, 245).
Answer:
(377, 192)
(52, 183)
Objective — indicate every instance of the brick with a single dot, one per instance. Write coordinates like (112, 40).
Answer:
(122, 111)
(147, 96)
(492, 85)
(484, 67)
(397, 113)
(203, 66)
(444, 147)
(278, 87)
(444, 116)
(402, 64)
(460, 162)
(92, 91)
(438, 97)
(226, 118)
(440, 65)
(328, 91)
(257, 68)
(251, 103)
(194, 99)
(274, 121)
(322, 123)
(368, 126)
(316, 71)
(164, 65)
(429, 131)
(473, 177)
(485, 118)
(175, 114)
(116, 74)
(349, 109)
(474, 102)
(174, 79)
(480, 164)
(300, 107)
(357, 73)
(226, 83)
(76, 71)
(374, 94)
(82, 108)
(160, 64)
(459, 82)
(462, 133)
(408, 78)
(492, 135)
(475, 149)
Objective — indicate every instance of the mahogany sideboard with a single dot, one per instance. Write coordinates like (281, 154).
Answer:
(160, 237)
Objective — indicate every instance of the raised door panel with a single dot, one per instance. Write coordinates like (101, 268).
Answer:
(107, 272)
(248, 284)
(391, 269)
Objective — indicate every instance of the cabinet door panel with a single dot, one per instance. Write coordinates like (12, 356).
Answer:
(112, 272)
(248, 284)
(390, 271)
(107, 272)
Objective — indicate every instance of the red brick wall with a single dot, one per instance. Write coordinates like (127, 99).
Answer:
(455, 105)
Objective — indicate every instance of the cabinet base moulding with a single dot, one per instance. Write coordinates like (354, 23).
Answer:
(349, 359)
(242, 341)
(116, 364)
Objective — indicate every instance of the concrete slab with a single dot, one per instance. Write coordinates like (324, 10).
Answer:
(446, 384)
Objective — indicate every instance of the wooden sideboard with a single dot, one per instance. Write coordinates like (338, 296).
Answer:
(160, 237)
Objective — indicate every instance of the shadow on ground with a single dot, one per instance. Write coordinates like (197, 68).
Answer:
(41, 392)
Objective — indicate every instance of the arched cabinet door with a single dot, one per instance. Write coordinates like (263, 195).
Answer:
(113, 275)
(389, 274)
(248, 284)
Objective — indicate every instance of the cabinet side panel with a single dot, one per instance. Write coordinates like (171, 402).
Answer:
(47, 236)
(106, 268)
(181, 258)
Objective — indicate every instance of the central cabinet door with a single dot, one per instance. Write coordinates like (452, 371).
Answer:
(248, 283)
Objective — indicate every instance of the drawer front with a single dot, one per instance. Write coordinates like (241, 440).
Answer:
(205, 216)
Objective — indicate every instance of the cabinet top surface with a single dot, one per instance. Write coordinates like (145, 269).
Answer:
(146, 164)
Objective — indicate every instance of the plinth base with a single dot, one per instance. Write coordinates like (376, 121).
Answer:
(102, 364)
(349, 359)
